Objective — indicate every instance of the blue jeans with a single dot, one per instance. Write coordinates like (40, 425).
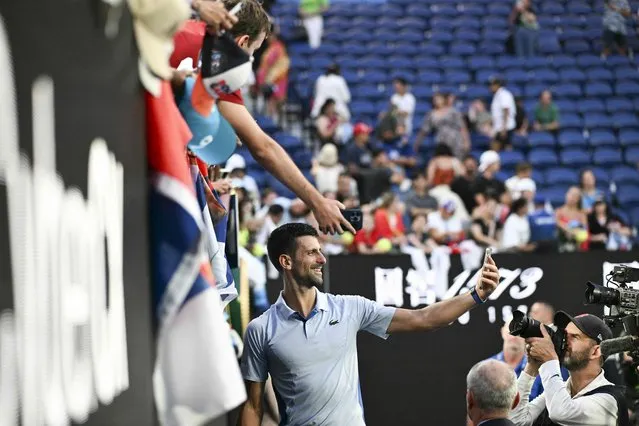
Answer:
(525, 42)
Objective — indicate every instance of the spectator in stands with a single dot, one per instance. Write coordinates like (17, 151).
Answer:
(418, 201)
(589, 191)
(491, 394)
(479, 118)
(346, 188)
(513, 350)
(486, 185)
(443, 167)
(418, 237)
(389, 222)
(404, 100)
(526, 189)
(523, 20)
(462, 185)
(272, 75)
(390, 127)
(327, 123)
(274, 218)
(381, 177)
(546, 113)
(607, 230)
(311, 12)
(614, 23)
(543, 312)
(503, 111)
(443, 227)
(522, 171)
(543, 227)
(326, 169)
(521, 117)
(449, 127)
(572, 222)
(516, 234)
(332, 85)
(485, 230)
(364, 242)
(357, 154)
(236, 166)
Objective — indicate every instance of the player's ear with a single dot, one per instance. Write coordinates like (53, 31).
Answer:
(286, 262)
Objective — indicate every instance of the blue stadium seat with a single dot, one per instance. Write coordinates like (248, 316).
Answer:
(412, 22)
(542, 157)
(515, 76)
(533, 90)
(457, 77)
(629, 137)
(303, 159)
(618, 61)
(562, 176)
(571, 121)
(598, 89)
(537, 62)
(627, 88)
(494, 22)
(591, 105)
(601, 137)
(496, 9)
(470, 23)
(481, 62)
(628, 196)
(601, 175)
(607, 157)
(572, 75)
(564, 61)
(466, 35)
(495, 35)
(554, 194)
(571, 138)
(371, 91)
(599, 74)
(407, 49)
(578, 8)
(362, 107)
(616, 105)
(354, 48)
(506, 62)
(471, 9)
(632, 155)
(541, 139)
(491, 47)
(441, 36)
(566, 106)
(625, 174)
(398, 62)
(416, 9)
(465, 48)
(450, 62)
(546, 75)
(432, 50)
(509, 159)
(552, 8)
(624, 120)
(568, 90)
(362, 23)
(444, 9)
(597, 121)
(571, 33)
(430, 77)
(627, 73)
(575, 157)
(423, 92)
(588, 61)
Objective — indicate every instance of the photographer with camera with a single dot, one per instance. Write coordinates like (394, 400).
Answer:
(587, 398)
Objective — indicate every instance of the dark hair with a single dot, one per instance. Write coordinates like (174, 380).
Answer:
(283, 240)
(333, 69)
(400, 80)
(276, 209)
(252, 19)
(581, 176)
(328, 103)
(469, 157)
(517, 205)
(442, 150)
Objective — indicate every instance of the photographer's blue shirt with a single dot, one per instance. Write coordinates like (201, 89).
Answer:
(313, 361)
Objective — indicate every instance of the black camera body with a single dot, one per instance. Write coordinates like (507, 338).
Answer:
(526, 327)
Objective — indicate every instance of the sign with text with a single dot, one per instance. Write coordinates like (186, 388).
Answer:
(419, 378)
(76, 339)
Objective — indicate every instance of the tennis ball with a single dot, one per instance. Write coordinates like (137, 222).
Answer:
(384, 245)
(259, 250)
(581, 236)
(347, 238)
(243, 237)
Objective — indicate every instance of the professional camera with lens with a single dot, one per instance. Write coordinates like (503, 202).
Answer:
(526, 327)
(623, 302)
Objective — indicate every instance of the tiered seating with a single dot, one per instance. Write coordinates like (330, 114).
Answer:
(455, 47)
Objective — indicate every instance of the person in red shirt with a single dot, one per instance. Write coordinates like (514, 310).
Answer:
(251, 29)
(389, 222)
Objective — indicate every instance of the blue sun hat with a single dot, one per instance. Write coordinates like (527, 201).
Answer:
(214, 140)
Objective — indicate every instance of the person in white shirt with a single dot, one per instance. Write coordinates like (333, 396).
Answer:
(587, 398)
(443, 226)
(503, 111)
(522, 171)
(332, 85)
(516, 233)
(405, 103)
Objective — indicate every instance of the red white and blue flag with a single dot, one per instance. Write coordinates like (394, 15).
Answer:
(196, 375)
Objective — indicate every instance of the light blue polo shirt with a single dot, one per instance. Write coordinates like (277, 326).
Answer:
(313, 362)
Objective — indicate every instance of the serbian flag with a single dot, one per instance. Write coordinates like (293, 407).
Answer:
(196, 376)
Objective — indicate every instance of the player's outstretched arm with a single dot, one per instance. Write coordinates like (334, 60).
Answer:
(443, 313)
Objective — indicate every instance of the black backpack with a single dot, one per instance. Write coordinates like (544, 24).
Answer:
(615, 391)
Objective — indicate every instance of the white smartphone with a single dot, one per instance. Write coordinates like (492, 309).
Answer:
(487, 253)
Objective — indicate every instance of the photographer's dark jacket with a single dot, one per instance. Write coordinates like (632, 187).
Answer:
(599, 409)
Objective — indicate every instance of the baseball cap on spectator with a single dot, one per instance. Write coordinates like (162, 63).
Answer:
(487, 159)
(526, 184)
(155, 22)
(591, 325)
(448, 206)
(235, 162)
(361, 128)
